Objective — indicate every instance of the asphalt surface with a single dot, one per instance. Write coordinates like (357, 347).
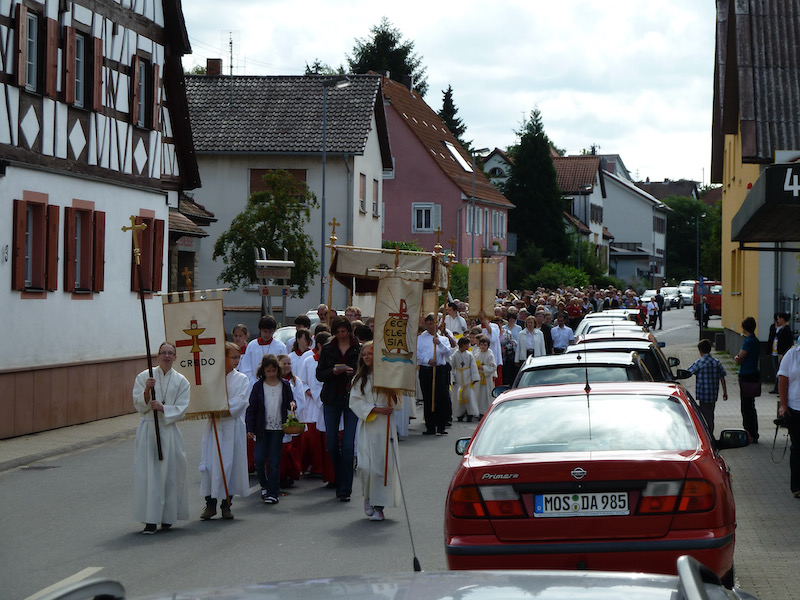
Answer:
(768, 534)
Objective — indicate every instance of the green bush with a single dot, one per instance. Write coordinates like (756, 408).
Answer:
(554, 275)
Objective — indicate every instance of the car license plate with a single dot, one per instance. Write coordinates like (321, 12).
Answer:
(581, 505)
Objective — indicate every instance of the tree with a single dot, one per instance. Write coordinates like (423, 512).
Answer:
(274, 219)
(448, 115)
(533, 189)
(321, 68)
(689, 220)
(386, 51)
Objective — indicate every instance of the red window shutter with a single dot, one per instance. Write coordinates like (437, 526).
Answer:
(18, 252)
(69, 249)
(51, 58)
(99, 251)
(97, 76)
(69, 65)
(156, 95)
(158, 253)
(21, 44)
(135, 88)
(51, 256)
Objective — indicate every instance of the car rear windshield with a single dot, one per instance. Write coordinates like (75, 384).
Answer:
(577, 424)
(578, 374)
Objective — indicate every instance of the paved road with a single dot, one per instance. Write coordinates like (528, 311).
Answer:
(66, 506)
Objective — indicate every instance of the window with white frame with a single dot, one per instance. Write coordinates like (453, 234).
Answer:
(426, 217)
(362, 192)
(375, 192)
(32, 53)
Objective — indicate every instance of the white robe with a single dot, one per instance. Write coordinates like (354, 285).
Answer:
(232, 435)
(161, 488)
(298, 393)
(312, 410)
(463, 396)
(371, 449)
(487, 369)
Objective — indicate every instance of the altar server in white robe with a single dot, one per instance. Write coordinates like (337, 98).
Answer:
(372, 409)
(232, 435)
(160, 487)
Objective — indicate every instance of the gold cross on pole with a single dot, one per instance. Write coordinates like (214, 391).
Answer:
(333, 223)
(186, 272)
(438, 247)
(134, 227)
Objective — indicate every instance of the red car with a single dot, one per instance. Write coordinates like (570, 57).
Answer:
(623, 478)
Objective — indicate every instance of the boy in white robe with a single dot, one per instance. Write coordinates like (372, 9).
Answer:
(487, 369)
(465, 374)
(160, 487)
(232, 435)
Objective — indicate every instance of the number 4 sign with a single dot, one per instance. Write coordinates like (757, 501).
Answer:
(792, 183)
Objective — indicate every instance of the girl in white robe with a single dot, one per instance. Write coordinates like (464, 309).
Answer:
(160, 487)
(232, 435)
(379, 477)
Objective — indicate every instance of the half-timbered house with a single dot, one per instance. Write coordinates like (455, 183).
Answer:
(93, 130)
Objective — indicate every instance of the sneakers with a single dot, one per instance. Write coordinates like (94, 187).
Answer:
(149, 529)
(166, 526)
(210, 511)
(368, 510)
(270, 500)
(264, 496)
(377, 516)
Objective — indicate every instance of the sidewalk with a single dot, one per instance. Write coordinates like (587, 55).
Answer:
(767, 537)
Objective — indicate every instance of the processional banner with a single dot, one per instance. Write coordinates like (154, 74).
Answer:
(396, 321)
(482, 287)
(194, 324)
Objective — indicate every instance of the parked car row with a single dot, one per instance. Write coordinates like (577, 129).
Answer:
(597, 459)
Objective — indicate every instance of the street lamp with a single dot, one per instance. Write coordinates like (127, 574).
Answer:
(479, 152)
(339, 82)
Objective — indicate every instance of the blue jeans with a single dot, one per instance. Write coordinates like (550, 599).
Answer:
(342, 454)
(268, 450)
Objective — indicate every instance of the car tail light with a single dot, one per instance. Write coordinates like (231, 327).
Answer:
(486, 501)
(692, 495)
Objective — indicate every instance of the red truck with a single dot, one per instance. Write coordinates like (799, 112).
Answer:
(712, 290)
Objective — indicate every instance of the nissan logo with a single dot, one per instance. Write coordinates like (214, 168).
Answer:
(578, 473)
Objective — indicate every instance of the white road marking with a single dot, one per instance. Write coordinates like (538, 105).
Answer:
(80, 575)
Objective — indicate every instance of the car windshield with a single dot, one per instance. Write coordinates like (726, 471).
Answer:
(669, 291)
(686, 289)
(578, 374)
(579, 424)
(716, 289)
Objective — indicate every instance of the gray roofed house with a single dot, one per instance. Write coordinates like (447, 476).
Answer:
(245, 125)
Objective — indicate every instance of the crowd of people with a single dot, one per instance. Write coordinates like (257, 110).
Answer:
(324, 380)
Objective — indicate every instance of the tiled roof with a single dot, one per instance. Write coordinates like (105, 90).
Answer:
(575, 172)
(663, 189)
(179, 223)
(428, 127)
(193, 210)
(280, 114)
(576, 222)
(757, 79)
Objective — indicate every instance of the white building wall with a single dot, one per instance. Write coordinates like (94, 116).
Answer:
(59, 329)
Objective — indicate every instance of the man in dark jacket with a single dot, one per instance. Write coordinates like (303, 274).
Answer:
(780, 340)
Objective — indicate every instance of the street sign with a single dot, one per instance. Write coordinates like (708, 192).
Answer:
(273, 272)
(275, 291)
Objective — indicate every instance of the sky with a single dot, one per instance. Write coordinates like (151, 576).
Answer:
(633, 77)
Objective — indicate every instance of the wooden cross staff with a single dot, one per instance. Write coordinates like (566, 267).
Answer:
(333, 223)
(134, 228)
(186, 272)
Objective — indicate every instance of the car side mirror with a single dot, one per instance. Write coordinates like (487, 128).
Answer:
(499, 390)
(662, 344)
(673, 361)
(682, 374)
(461, 445)
(732, 438)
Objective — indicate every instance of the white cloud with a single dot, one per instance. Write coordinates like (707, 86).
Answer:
(632, 76)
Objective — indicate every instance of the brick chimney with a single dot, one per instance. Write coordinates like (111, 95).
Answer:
(213, 66)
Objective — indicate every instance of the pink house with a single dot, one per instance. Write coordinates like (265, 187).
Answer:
(433, 186)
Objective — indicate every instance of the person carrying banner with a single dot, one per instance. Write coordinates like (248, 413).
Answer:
(433, 353)
(377, 461)
(160, 487)
(223, 451)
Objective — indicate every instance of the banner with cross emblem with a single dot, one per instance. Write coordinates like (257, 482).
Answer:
(193, 323)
